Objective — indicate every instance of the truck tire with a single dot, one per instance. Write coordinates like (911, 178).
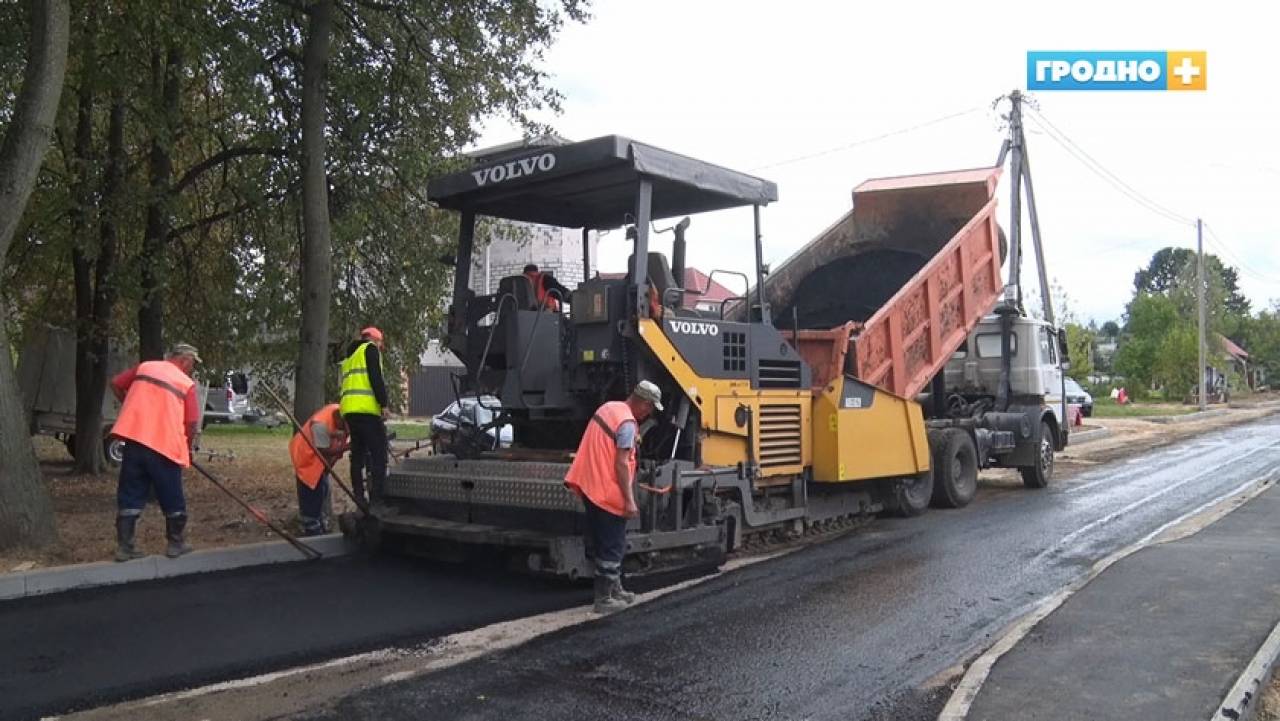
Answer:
(1038, 476)
(113, 450)
(910, 496)
(955, 469)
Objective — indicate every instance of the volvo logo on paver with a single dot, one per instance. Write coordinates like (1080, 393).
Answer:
(687, 327)
(514, 169)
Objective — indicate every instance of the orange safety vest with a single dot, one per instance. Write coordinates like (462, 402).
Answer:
(306, 464)
(539, 281)
(592, 473)
(153, 411)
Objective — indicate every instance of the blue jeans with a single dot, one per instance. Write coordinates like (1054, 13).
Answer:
(606, 540)
(311, 504)
(144, 472)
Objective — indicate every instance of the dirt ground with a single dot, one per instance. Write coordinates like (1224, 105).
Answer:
(260, 472)
(1270, 710)
(252, 462)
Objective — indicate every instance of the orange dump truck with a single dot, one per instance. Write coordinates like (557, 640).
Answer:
(896, 299)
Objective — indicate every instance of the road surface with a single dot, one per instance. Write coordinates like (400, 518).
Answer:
(859, 627)
(850, 629)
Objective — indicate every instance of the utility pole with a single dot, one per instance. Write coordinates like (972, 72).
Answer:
(1013, 289)
(1200, 306)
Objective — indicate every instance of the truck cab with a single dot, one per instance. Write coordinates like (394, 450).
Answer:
(1037, 357)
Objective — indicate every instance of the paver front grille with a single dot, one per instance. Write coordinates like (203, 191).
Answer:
(780, 436)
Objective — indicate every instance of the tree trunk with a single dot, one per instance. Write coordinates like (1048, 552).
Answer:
(91, 378)
(166, 81)
(26, 511)
(317, 271)
(88, 450)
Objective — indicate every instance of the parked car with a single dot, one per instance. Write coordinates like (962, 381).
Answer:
(1079, 396)
(470, 412)
(229, 403)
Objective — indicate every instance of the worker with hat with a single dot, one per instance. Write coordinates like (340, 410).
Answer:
(158, 422)
(603, 475)
(326, 432)
(363, 405)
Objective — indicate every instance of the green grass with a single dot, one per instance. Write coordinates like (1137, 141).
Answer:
(1107, 408)
(283, 430)
(409, 431)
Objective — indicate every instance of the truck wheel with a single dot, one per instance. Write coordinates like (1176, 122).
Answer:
(955, 470)
(113, 449)
(910, 496)
(1038, 476)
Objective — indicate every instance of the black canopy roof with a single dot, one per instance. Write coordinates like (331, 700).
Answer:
(592, 184)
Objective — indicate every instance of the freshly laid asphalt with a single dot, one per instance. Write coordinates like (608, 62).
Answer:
(850, 629)
(1162, 634)
(82, 648)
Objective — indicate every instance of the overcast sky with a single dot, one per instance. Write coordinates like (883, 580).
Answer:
(754, 85)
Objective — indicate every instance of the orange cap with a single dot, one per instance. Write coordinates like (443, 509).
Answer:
(372, 334)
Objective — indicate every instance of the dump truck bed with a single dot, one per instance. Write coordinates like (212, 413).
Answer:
(904, 276)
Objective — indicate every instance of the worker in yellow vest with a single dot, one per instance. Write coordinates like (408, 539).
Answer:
(158, 422)
(603, 475)
(327, 432)
(363, 405)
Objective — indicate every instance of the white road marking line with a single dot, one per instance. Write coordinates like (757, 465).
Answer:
(1065, 540)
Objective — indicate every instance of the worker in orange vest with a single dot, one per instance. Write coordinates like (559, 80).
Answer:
(159, 420)
(603, 475)
(328, 433)
(546, 289)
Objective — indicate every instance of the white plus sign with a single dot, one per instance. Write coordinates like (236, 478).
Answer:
(1187, 71)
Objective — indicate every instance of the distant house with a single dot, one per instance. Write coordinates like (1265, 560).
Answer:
(431, 385)
(1240, 359)
(700, 292)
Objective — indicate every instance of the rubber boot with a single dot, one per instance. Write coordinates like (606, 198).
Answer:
(605, 602)
(126, 527)
(174, 531)
(616, 591)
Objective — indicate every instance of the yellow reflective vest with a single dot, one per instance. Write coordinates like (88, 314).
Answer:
(357, 391)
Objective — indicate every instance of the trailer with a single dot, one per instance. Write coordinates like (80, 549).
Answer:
(47, 381)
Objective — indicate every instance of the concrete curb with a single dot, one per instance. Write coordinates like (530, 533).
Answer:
(109, 573)
(975, 675)
(1243, 700)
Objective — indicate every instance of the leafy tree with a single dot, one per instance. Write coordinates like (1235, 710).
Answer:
(26, 512)
(1159, 349)
(1150, 318)
(1172, 272)
(1261, 338)
(1080, 350)
(1110, 329)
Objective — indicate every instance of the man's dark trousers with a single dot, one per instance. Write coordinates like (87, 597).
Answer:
(368, 450)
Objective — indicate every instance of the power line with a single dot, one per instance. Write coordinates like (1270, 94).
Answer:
(1134, 191)
(872, 139)
(1106, 175)
(1226, 250)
